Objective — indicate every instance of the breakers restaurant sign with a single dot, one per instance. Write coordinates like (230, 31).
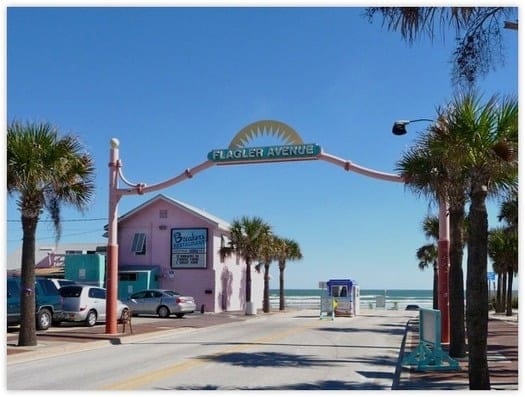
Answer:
(265, 153)
(189, 248)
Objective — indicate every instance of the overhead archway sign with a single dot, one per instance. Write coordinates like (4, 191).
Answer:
(238, 152)
(266, 153)
(293, 147)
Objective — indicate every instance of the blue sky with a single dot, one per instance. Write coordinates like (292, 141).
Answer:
(174, 83)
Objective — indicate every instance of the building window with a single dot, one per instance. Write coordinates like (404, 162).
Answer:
(163, 214)
(139, 244)
(127, 277)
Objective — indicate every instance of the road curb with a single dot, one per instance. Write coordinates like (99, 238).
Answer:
(399, 366)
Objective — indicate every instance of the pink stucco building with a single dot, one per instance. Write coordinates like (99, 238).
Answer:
(184, 242)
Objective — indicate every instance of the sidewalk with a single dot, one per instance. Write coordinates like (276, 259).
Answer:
(502, 346)
(502, 356)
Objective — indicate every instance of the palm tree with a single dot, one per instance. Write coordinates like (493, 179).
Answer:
(427, 254)
(486, 139)
(268, 254)
(44, 172)
(509, 211)
(247, 236)
(509, 215)
(429, 170)
(496, 249)
(470, 152)
(501, 294)
(503, 250)
(286, 249)
(512, 266)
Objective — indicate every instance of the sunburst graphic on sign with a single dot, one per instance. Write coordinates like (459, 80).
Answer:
(266, 127)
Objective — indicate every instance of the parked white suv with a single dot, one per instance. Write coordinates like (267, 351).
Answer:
(87, 303)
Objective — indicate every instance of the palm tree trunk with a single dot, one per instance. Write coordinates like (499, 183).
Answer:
(281, 286)
(27, 334)
(457, 346)
(509, 292)
(477, 290)
(248, 280)
(502, 293)
(266, 298)
(497, 298)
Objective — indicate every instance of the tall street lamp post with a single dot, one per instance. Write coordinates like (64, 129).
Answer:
(399, 128)
(443, 270)
(112, 250)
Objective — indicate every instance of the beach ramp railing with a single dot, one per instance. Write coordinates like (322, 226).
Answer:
(328, 305)
(428, 355)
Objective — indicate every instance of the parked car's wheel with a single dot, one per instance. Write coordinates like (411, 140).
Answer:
(163, 312)
(43, 319)
(179, 315)
(91, 318)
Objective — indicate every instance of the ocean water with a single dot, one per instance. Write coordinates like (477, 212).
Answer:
(311, 298)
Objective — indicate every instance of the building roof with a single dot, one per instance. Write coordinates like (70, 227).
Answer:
(220, 223)
(42, 251)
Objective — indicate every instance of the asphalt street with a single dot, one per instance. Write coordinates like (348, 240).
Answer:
(291, 350)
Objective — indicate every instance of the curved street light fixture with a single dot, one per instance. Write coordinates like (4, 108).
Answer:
(399, 127)
(443, 248)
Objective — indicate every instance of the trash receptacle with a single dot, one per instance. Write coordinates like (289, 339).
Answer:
(250, 308)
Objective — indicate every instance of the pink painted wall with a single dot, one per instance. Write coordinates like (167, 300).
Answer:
(224, 278)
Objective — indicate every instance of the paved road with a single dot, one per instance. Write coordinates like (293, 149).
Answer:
(342, 336)
(292, 350)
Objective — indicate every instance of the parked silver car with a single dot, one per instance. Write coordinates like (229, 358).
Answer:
(161, 302)
(87, 303)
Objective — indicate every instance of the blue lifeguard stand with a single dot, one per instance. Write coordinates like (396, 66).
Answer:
(341, 298)
(341, 290)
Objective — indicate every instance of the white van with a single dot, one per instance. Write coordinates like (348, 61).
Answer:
(86, 303)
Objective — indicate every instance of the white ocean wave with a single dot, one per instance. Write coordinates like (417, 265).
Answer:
(365, 301)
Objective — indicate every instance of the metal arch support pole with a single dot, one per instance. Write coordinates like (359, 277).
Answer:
(112, 249)
(443, 270)
(443, 242)
(349, 166)
(186, 174)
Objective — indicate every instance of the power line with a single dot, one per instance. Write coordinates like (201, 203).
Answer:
(63, 235)
(64, 220)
